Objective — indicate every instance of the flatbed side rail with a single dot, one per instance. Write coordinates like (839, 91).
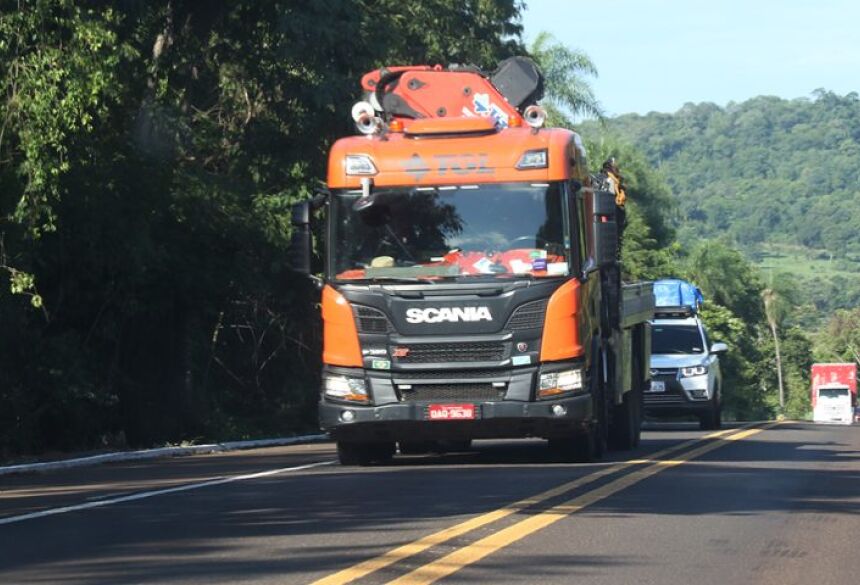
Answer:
(637, 303)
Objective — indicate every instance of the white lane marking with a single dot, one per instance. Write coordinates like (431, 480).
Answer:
(161, 492)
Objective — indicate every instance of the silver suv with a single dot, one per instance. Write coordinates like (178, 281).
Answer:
(685, 372)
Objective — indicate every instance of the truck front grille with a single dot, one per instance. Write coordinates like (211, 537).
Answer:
(409, 377)
(441, 353)
(370, 320)
(445, 392)
(528, 316)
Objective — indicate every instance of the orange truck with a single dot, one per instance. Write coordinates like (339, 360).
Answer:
(471, 286)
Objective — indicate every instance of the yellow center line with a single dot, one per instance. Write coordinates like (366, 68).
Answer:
(405, 551)
(470, 554)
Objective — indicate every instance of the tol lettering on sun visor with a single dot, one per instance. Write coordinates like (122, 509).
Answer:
(448, 314)
(459, 164)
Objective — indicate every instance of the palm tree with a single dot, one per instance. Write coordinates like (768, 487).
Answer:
(778, 299)
(567, 92)
(771, 302)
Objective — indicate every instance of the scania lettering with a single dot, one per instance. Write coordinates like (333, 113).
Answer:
(471, 285)
(451, 315)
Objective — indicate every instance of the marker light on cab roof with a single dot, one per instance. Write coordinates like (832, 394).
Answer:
(533, 159)
(360, 164)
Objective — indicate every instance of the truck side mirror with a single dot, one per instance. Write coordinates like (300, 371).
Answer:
(719, 347)
(605, 229)
(299, 252)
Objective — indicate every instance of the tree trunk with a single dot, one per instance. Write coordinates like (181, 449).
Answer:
(778, 366)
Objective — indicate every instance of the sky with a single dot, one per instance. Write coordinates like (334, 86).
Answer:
(657, 55)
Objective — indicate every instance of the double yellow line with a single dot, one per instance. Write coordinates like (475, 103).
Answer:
(472, 553)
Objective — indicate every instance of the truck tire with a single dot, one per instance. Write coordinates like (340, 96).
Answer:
(582, 447)
(354, 453)
(590, 445)
(624, 431)
(625, 426)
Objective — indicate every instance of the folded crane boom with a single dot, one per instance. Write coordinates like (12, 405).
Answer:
(415, 92)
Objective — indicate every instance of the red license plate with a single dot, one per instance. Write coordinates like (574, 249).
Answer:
(451, 412)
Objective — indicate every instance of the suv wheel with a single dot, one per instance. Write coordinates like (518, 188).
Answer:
(713, 419)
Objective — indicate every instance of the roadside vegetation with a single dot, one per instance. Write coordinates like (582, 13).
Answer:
(149, 153)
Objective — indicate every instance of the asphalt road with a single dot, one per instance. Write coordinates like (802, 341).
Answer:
(764, 504)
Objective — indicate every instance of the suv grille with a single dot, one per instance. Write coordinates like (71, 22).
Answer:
(528, 316)
(651, 398)
(442, 392)
(441, 353)
(370, 320)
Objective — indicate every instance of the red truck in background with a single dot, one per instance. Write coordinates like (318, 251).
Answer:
(843, 374)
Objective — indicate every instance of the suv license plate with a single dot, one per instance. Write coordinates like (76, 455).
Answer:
(657, 386)
(451, 412)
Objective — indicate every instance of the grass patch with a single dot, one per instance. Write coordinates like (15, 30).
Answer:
(804, 262)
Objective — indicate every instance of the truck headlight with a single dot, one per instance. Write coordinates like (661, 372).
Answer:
(555, 383)
(694, 371)
(345, 388)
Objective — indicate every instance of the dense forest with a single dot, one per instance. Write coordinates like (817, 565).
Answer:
(150, 152)
(768, 192)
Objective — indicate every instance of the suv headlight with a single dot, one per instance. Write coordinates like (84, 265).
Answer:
(345, 388)
(694, 371)
(555, 383)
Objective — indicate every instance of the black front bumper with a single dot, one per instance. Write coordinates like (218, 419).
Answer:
(400, 414)
(494, 420)
(674, 401)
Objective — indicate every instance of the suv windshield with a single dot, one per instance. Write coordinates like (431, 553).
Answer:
(457, 231)
(676, 339)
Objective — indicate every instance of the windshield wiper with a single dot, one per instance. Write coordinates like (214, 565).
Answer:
(411, 279)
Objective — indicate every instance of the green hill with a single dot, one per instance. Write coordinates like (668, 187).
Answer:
(779, 178)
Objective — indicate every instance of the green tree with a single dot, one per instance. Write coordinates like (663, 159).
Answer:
(839, 339)
(149, 154)
(743, 395)
(567, 89)
(775, 177)
(778, 297)
(727, 278)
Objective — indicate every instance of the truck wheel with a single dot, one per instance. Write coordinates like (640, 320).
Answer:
(354, 453)
(589, 445)
(640, 415)
(625, 430)
(583, 447)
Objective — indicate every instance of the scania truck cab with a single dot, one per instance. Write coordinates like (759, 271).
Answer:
(467, 288)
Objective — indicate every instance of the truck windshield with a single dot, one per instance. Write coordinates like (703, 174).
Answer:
(676, 339)
(833, 393)
(497, 230)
